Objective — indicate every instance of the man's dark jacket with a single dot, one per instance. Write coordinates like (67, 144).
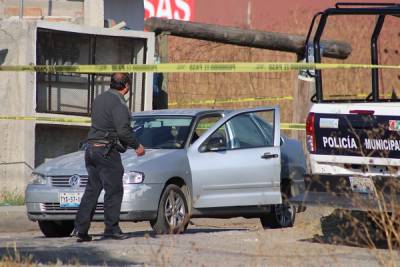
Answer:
(111, 114)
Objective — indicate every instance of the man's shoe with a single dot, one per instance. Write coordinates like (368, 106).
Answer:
(116, 236)
(83, 237)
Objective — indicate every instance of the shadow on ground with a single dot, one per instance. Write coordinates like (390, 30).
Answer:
(65, 255)
(189, 231)
(353, 228)
(83, 253)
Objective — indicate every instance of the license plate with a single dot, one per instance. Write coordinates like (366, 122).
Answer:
(363, 185)
(70, 200)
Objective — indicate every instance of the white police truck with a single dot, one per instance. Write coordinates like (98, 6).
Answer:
(353, 144)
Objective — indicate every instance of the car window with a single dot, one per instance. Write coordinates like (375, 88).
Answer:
(165, 132)
(221, 133)
(247, 130)
(219, 140)
(254, 129)
(203, 125)
(265, 120)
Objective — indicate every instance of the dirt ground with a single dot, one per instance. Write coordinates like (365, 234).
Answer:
(207, 242)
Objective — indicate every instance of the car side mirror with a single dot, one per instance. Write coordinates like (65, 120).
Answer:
(282, 141)
(214, 144)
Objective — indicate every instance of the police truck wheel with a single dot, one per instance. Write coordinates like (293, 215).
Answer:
(56, 228)
(172, 216)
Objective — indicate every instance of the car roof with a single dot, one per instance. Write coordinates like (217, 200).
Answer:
(177, 112)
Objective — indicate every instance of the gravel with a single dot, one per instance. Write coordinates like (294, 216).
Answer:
(207, 242)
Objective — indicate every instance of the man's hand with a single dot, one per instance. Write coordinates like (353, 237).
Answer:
(140, 151)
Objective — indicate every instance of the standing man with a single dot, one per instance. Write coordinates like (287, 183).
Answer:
(110, 123)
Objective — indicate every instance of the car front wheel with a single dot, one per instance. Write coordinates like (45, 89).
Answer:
(281, 216)
(172, 216)
(56, 228)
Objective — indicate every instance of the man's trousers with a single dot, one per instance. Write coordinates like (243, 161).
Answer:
(104, 172)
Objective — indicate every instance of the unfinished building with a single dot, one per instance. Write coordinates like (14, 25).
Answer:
(27, 143)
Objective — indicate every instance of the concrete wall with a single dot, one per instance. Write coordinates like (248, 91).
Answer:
(52, 10)
(64, 140)
(94, 13)
(16, 92)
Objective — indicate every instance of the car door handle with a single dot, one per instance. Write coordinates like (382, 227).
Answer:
(269, 156)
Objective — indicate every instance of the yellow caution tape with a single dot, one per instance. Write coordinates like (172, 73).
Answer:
(187, 68)
(46, 119)
(347, 95)
(255, 99)
(230, 100)
(191, 67)
(284, 126)
(293, 126)
(362, 95)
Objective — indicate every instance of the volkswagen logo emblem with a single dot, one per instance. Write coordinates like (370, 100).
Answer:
(74, 180)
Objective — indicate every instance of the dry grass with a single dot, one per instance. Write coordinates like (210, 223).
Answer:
(376, 230)
(11, 198)
(377, 227)
(11, 262)
(14, 259)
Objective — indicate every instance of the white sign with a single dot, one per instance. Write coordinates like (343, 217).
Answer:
(328, 123)
(170, 9)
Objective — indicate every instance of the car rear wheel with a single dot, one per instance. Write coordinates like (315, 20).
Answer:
(56, 228)
(281, 215)
(172, 216)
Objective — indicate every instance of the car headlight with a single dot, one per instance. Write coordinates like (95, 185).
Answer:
(133, 178)
(38, 179)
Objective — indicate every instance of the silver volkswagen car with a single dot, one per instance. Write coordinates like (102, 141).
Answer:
(199, 163)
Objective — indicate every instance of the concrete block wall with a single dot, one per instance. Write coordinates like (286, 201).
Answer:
(17, 137)
(51, 10)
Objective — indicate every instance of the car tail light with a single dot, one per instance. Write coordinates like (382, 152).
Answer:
(310, 133)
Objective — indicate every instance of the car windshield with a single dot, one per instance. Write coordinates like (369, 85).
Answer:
(165, 132)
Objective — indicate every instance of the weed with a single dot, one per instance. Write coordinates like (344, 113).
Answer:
(14, 259)
(12, 198)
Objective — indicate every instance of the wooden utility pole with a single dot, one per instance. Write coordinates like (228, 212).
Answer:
(302, 91)
(229, 35)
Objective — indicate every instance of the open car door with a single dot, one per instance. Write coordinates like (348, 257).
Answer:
(237, 161)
